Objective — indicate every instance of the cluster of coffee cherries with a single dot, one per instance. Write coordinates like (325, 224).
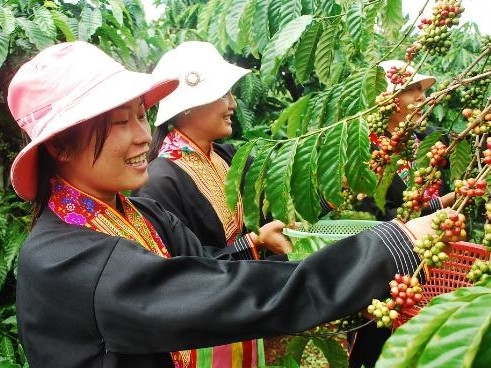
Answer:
(404, 133)
(407, 151)
(488, 211)
(479, 271)
(415, 198)
(473, 95)
(435, 34)
(449, 226)
(485, 42)
(399, 142)
(381, 156)
(486, 154)
(486, 241)
(482, 127)
(398, 76)
(427, 184)
(405, 292)
(470, 187)
(431, 249)
(431, 180)
(384, 312)
(411, 206)
(437, 154)
(386, 106)
(435, 31)
(349, 197)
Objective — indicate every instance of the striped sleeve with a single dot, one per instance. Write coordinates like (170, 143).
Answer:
(242, 248)
(433, 205)
(400, 246)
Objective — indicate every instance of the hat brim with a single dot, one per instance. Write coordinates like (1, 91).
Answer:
(208, 90)
(426, 81)
(116, 90)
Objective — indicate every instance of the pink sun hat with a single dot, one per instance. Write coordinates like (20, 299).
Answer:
(64, 85)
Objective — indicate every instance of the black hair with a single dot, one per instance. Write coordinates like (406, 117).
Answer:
(70, 141)
(158, 137)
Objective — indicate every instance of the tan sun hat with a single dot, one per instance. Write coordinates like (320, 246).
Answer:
(426, 80)
(64, 85)
(203, 73)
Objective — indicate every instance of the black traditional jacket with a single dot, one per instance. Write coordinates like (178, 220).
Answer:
(89, 300)
(176, 191)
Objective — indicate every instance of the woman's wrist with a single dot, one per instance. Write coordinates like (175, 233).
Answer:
(254, 240)
(412, 237)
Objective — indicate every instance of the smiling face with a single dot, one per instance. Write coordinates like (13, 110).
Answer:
(206, 123)
(121, 164)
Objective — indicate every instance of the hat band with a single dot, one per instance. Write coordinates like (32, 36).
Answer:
(27, 122)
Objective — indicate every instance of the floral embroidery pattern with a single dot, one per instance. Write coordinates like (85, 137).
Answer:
(175, 146)
(209, 172)
(77, 208)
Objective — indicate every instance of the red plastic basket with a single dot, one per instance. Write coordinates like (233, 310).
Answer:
(451, 276)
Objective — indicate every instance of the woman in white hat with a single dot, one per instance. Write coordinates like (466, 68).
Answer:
(111, 282)
(409, 101)
(188, 169)
(188, 174)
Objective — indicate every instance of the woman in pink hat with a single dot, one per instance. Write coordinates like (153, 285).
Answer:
(108, 281)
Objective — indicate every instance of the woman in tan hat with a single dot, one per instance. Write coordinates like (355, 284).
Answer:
(409, 100)
(367, 342)
(108, 281)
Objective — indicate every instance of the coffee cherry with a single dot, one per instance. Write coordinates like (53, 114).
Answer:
(473, 95)
(378, 120)
(470, 187)
(479, 271)
(430, 248)
(435, 35)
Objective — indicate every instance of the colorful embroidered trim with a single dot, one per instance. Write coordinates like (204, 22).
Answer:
(77, 208)
(209, 173)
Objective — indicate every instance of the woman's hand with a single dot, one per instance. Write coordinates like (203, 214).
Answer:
(271, 237)
(447, 200)
(421, 226)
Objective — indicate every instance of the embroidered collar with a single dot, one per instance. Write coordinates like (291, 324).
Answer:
(209, 173)
(176, 145)
(77, 208)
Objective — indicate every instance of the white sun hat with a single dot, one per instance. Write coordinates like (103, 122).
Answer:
(204, 76)
(426, 80)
